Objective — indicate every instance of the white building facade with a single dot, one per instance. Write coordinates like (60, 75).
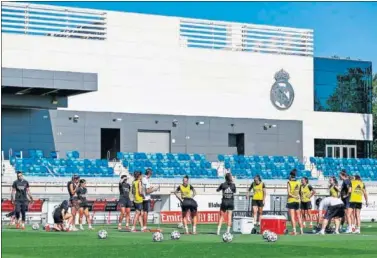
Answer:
(175, 66)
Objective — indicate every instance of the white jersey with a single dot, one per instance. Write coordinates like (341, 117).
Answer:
(329, 201)
(146, 185)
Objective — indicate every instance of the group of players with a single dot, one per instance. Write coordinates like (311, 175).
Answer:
(343, 205)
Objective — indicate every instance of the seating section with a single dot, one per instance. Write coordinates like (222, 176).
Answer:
(38, 165)
(268, 167)
(168, 165)
(366, 168)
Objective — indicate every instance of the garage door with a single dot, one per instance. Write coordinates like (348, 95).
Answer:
(153, 141)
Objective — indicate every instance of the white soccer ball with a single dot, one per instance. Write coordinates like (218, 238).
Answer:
(157, 237)
(35, 226)
(175, 235)
(272, 237)
(102, 234)
(265, 234)
(180, 225)
(227, 237)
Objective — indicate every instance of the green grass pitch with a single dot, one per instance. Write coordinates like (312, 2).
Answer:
(40, 244)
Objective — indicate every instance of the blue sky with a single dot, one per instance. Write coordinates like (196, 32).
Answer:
(340, 28)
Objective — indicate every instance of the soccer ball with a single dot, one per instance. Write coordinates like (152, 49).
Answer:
(102, 234)
(265, 234)
(227, 237)
(157, 237)
(180, 225)
(272, 237)
(175, 235)
(35, 226)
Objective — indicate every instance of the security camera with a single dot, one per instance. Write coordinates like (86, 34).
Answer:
(76, 118)
(175, 123)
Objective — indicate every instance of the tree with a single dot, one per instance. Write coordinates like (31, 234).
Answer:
(351, 92)
(374, 113)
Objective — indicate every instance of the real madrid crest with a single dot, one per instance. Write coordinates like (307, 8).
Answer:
(282, 94)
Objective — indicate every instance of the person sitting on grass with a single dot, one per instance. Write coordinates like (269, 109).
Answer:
(61, 216)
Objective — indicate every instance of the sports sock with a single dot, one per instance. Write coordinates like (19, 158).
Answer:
(228, 229)
(194, 229)
(218, 229)
(186, 228)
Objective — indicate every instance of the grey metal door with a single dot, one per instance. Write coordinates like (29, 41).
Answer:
(153, 141)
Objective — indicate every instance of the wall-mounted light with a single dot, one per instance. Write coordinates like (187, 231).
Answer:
(175, 123)
(156, 121)
(45, 117)
(268, 126)
(200, 123)
(232, 125)
(117, 119)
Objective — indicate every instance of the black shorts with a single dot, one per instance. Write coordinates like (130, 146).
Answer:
(84, 205)
(227, 205)
(189, 204)
(258, 203)
(58, 219)
(21, 206)
(146, 205)
(138, 206)
(356, 205)
(346, 202)
(306, 206)
(293, 206)
(124, 203)
(336, 211)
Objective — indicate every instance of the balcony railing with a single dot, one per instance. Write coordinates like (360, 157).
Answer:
(245, 37)
(53, 21)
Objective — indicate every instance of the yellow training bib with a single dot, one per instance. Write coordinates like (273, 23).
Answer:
(258, 191)
(305, 193)
(334, 192)
(137, 197)
(357, 191)
(185, 191)
(295, 191)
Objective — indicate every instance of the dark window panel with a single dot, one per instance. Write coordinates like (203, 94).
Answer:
(363, 148)
(342, 86)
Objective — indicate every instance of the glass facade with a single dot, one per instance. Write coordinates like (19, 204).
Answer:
(336, 148)
(342, 86)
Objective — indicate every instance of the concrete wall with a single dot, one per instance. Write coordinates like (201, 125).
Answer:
(143, 69)
(52, 130)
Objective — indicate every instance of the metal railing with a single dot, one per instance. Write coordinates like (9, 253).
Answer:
(53, 21)
(245, 37)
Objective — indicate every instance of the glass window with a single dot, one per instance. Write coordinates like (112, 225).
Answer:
(334, 148)
(342, 85)
(345, 152)
(329, 152)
